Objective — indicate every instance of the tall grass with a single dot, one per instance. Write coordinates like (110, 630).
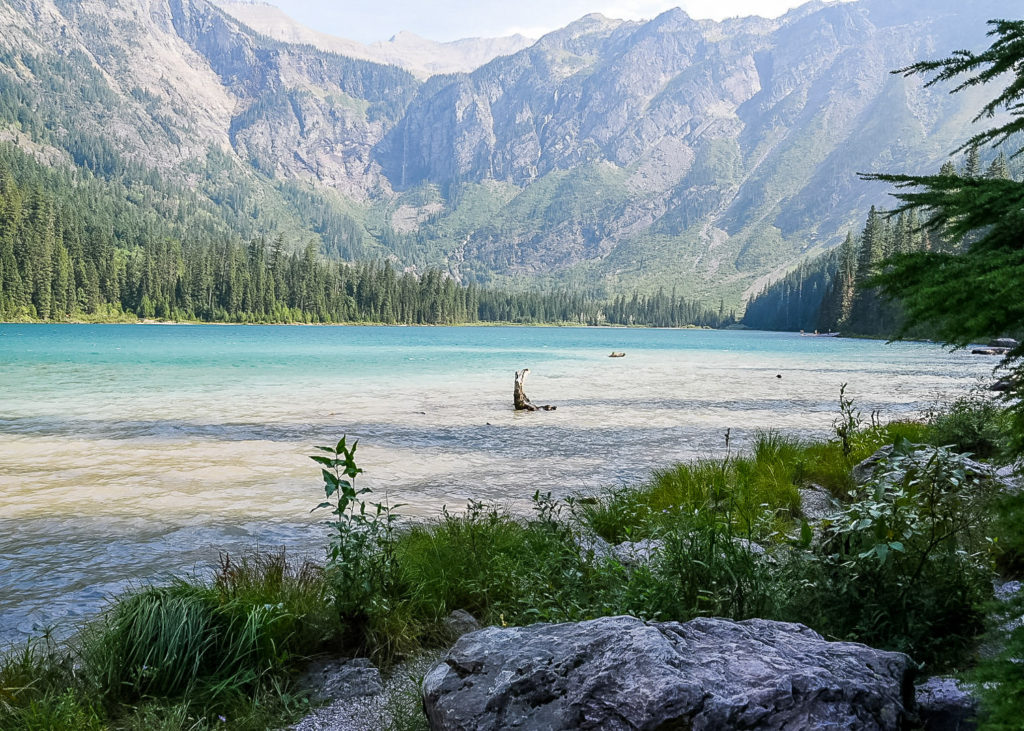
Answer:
(195, 651)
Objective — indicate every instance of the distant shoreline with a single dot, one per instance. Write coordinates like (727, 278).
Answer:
(361, 324)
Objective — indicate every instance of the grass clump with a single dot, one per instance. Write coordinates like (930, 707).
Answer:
(187, 655)
(742, 488)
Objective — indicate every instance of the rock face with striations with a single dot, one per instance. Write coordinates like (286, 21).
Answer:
(624, 673)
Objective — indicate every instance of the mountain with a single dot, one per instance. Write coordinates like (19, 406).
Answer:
(616, 155)
(421, 56)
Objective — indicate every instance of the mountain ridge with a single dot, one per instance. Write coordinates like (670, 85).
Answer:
(421, 56)
(612, 154)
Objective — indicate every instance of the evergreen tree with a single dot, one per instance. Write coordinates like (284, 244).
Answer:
(974, 292)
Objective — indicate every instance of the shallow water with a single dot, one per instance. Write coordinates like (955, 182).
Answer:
(129, 452)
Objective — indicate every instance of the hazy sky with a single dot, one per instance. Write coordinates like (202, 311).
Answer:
(446, 20)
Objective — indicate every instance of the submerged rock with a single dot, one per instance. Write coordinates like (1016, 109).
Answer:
(624, 673)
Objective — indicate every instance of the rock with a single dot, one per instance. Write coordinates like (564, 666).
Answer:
(945, 704)
(394, 707)
(750, 547)
(592, 546)
(623, 673)
(1003, 385)
(1011, 477)
(1006, 590)
(1008, 343)
(341, 679)
(634, 553)
(816, 503)
(867, 469)
(990, 351)
(460, 622)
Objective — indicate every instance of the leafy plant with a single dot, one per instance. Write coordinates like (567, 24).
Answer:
(902, 565)
(848, 422)
(362, 565)
(999, 677)
(974, 424)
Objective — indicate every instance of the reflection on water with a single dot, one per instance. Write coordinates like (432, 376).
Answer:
(132, 452)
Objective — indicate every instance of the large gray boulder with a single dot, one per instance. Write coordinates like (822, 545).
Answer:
(624, 673)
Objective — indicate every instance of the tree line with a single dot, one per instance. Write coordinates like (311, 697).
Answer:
(69, 250)
(833, 292)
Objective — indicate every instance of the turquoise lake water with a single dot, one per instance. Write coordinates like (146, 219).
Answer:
(132, 452)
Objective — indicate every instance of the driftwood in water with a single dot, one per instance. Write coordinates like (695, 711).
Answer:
(519, 399)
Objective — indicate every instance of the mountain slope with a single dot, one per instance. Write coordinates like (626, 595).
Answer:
(707, 151)
(609, 154)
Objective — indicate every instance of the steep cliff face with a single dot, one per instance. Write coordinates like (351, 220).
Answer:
(180, 75)
(726, 148)
(623, 154)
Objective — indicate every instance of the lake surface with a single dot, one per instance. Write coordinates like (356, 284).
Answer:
(132, 452)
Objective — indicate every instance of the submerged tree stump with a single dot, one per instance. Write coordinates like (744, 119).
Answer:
(519, 398)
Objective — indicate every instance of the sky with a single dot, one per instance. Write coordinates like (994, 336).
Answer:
(447, 20)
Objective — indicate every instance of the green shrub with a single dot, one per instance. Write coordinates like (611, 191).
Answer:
(200, 649)
(902, 567)
(974, 424)
(1008, 529)
(39, 692)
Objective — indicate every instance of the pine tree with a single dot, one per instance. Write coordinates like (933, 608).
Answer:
(974, 292)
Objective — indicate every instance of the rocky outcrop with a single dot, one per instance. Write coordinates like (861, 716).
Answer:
(624, 673)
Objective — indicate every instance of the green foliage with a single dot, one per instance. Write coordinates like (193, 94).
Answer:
(902, 565)
(969, 291)
(75, 247)
(188, 655)
(743, 488)
(832, 292)
(362, 565)
(974, 424)
(1004, 56)
(212, 644)
(999, 678)
(35, 692)
(1008, 547)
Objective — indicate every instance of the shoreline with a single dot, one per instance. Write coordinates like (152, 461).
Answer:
(497, 323)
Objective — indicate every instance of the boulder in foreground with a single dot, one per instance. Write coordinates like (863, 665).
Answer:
(624, 673)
